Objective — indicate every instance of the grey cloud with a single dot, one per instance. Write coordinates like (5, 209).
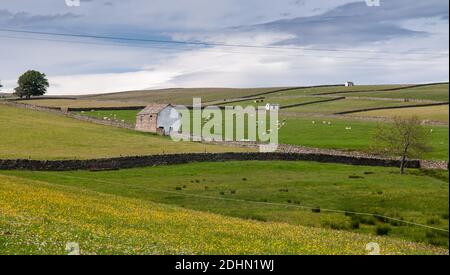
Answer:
(24, 19)
(356, 23)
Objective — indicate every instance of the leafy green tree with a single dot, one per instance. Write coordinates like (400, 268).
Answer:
(404, 138)
(31, 83)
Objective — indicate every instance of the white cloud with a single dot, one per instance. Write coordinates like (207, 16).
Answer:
(216, 68)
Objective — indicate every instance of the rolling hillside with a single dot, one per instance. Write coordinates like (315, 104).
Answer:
(435, 113)
(286, 192)
(81, 103)
(39, 135)
(179, 96)
(438, 92)
(41, 218)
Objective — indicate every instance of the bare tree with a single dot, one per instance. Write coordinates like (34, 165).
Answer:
(404, 138)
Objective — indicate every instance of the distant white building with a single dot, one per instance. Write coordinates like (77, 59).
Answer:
(272, 106)
(158, 118)
(349, 84)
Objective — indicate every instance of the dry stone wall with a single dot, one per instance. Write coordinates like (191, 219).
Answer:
(172, 159)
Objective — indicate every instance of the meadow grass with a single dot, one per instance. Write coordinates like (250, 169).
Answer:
(433, 92)
(38, 135)
(302, 131)
(128, 116)
(435, 113)
(178, 95)
(344, 105)
(330, 89)
(224, 188)
(299, 130)
(40, 217)
(81, 103)
(281, 100)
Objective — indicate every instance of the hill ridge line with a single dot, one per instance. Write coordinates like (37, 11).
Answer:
(384, 90)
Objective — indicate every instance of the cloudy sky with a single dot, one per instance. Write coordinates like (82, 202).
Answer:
(236, 43)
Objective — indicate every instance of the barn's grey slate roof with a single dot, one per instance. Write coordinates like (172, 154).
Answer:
(153, 109)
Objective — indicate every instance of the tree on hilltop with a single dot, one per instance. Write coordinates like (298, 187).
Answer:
(31, 83)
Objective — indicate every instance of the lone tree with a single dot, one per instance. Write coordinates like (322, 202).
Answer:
(405, 138)
(31, 83)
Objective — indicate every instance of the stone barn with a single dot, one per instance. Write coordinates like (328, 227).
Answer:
(158, 118)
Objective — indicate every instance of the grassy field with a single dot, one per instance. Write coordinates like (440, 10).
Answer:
(81, 103)
(185, 96)
(128, 116)
(179, 96)
(281, 100)
(300, 130)
(277, 191)
(338, 89)
(215, 208)
(41, 218)
(344, 105)
(434, 113)
(432, 92)
(297, 96)
(39, 135)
